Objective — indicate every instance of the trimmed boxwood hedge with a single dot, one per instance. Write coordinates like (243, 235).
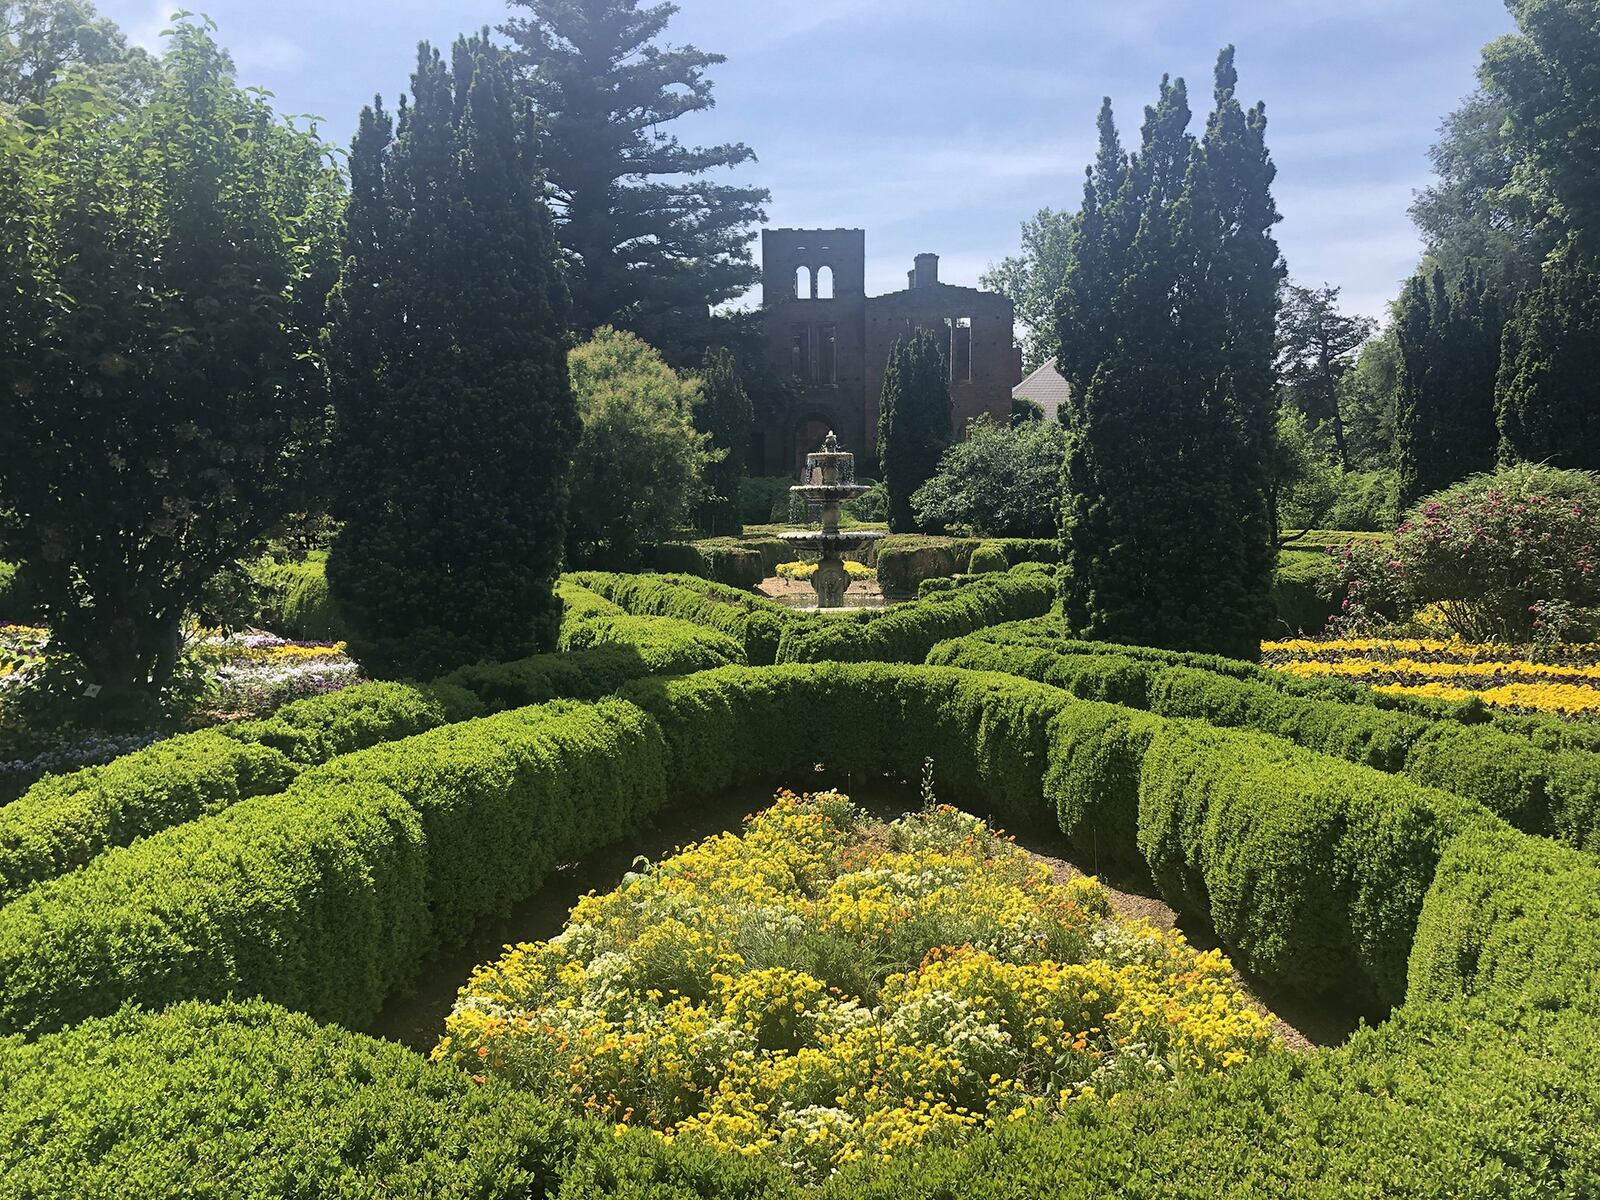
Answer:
(64, 821)
(1553, 792)
(756, 623)
(1486, 1082)
(724, 560)
(907, 632)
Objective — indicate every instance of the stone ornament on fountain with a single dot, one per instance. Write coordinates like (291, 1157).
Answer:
(829, 482)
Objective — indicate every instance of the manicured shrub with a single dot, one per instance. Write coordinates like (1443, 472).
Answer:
(1092, 784)
(756, 622)
(296, 603)
(1301, 591)
(664, 645)
(764, 499)
(318, 728)
(64, 821)
(1512, 919)
(987, 558)
(263, 1104)
(1312, 871)
(904, 561)
(907, 632)
(327, 896)
(723, 560)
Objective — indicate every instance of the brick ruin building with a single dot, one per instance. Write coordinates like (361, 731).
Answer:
(825, 332)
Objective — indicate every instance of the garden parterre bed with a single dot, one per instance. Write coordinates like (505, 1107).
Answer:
(1317, 875)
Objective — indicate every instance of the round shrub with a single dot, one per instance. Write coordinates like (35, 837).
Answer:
(1512, 556)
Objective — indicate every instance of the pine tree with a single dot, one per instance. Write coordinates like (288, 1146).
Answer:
(726, 414)
(650, 244)
(914, 421)
(455, 417)
(1547, 399)
(1168, 317)
(1449, 338)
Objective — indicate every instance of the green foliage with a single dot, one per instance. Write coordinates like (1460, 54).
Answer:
(16, 599)
(1002, 481)
(275, 1104)
(1302, 591)
(1367, 398)
(907, 632)
(914, 414)
(906, 560)
(1552, 789)
(1167, 328)
(724, 560)
(1031, 280)
(65, 821)
(1449, 340)
(448, 348)
(1545, 400)
(1317, 347)
(1513, 555)
(649, 242)
(168, 256)
(639, 467)
(727, 417)
(764, 499)
(296, 602)
(42, 42)
(753, 621)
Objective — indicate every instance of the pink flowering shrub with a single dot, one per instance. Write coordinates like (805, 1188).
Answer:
(1509, 557)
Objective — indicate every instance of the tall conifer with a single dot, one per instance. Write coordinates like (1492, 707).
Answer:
(1547, 399)
(914, 417)
(1449, 337)
(1167, 319)
(726, 414)
(455, 417)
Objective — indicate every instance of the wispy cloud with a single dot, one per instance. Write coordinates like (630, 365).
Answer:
(273, 52)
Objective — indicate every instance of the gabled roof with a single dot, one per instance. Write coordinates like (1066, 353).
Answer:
(1046, 388)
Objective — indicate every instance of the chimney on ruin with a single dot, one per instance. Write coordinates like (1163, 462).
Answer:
(926, 273)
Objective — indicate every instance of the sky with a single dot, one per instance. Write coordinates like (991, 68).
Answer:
(940, 125)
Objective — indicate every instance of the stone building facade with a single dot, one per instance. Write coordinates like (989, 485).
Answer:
(824, 332)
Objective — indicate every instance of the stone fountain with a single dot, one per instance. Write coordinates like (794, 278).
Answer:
(830, 480)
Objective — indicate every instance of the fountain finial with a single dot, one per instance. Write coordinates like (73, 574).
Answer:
(830, 444)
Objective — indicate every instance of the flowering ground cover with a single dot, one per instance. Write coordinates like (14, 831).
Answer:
(225, 678)
(1564, 680)
(826, 989)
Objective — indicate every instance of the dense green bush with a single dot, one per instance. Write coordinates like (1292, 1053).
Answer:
(1001, 480)
(724, 560)
(764, 499)
(321, 727)
(1302, 590)
(907, 632)
(987, 558)
(662, 645)
(905, 560)
(1544, 791)
(756, 622)
(64, 821)
(295, 599)
(16, 598)
(263, 1104)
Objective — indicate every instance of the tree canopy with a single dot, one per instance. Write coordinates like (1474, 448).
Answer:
(914, 421)
(651, 242)
(1317, 346)
(1032, 281)
(166, 265)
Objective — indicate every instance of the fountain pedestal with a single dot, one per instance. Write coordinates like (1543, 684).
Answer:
(830, 481)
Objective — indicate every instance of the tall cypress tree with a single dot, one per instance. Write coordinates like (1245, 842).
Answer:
(1547, 400)
(1168, 318)
(914, 421)
(455, 417)
(1449, 336)
(726, 414)
(650, 243)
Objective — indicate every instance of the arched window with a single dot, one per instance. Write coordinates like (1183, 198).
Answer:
(802, 283)
(824, 283)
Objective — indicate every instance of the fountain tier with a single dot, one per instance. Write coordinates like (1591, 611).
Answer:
(830, 481)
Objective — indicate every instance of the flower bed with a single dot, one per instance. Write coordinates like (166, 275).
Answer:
(825, 989)
(805, 570)
(1565, 681)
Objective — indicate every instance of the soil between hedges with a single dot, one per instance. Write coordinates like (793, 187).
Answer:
(416, 1019)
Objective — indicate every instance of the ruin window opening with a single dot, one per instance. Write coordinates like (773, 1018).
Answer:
(828, 356)
(804, 285)
(961, 351)
(800, 351)
(824, 283)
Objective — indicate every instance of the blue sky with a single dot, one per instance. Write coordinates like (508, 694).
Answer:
(941, 124)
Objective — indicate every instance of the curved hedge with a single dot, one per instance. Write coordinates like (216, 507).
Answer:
(756, 623)
(62, 822)
(1319, 874)
(907, 632)
(1553, 792)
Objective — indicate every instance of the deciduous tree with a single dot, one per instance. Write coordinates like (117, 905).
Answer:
(1317, 346)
